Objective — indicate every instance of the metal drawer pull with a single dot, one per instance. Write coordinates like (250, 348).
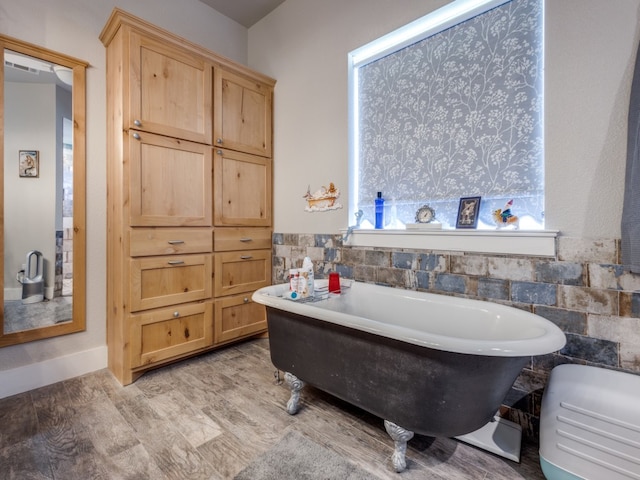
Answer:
(246, 300)
(136, 136)
(176, 314)
(246, 239)
(137, 123)
(176, 262)
(175, 242)
(246, 257)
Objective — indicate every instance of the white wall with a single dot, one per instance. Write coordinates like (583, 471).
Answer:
(72, 27)
(590, 47)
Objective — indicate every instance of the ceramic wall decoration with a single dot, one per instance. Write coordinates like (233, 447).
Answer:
(323, 199)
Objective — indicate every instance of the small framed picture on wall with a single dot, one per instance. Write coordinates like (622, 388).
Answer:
(28, 163)
(468, 212)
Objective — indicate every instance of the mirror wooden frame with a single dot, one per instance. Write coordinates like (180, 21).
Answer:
(78, 322)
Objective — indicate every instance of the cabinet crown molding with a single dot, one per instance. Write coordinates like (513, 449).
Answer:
(120, 18)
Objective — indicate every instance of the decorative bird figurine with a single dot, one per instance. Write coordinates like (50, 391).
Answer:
(504, 217)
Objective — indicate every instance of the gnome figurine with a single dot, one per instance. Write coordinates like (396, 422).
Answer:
(504, 217)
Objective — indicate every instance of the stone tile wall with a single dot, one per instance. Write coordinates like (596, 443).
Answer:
(585, 291)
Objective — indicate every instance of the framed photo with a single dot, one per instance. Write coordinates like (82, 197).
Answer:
(468, 212)
(28, 163)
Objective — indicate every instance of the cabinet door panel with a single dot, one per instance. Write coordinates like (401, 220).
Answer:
(170, 92)
(237, 272)
(171, 332)
(161, 281)
(238, 316)
(243, 114)
(242, 190)
(170, 181)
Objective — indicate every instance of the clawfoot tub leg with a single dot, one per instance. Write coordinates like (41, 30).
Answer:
(400, 437)
(295, 385)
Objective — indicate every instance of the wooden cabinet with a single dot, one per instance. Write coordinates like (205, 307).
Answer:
(243, 113)
(242, 271)
(238, 316)
(242, 265)
(169, 280)
(171, 332)
(240, 238)
(179, 280)
(170, 182)
(242, 189)
(170, 90)
(169, 241)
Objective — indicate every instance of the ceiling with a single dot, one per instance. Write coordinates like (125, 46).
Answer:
(20, 68)
(245, 12)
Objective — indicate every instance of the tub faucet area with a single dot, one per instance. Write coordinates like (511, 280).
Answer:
(358, 214)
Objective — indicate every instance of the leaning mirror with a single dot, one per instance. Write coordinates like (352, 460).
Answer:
(42, 177)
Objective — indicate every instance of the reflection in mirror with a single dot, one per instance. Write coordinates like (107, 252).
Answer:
(43, 241)
(38, 203)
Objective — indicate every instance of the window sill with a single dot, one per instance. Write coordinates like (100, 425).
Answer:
(540, 243)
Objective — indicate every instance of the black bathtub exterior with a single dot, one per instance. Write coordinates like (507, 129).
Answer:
(427, 391)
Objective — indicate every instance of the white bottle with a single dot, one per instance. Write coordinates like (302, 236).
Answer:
(294, 276)
(307, 267)
(303, 284)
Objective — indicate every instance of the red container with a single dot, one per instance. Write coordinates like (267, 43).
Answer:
(334, 282)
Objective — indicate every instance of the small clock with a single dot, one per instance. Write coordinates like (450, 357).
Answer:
(425, 214)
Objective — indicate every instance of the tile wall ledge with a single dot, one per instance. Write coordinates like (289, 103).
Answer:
(538, 243)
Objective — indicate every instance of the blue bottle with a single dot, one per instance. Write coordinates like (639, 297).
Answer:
(379, 203)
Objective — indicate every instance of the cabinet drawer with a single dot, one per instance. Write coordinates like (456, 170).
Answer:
(161, 281)
(169, 241)
(238, 316)
(170, 332)
(237, 272)
(228, 238)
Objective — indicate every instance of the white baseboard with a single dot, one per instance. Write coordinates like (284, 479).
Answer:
(13, 293)
(35, 375)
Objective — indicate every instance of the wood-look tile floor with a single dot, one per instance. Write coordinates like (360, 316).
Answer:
(207, 418)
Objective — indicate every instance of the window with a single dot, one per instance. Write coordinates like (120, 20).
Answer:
(451, 106)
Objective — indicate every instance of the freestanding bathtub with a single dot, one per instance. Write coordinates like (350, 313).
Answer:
(426, 363)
